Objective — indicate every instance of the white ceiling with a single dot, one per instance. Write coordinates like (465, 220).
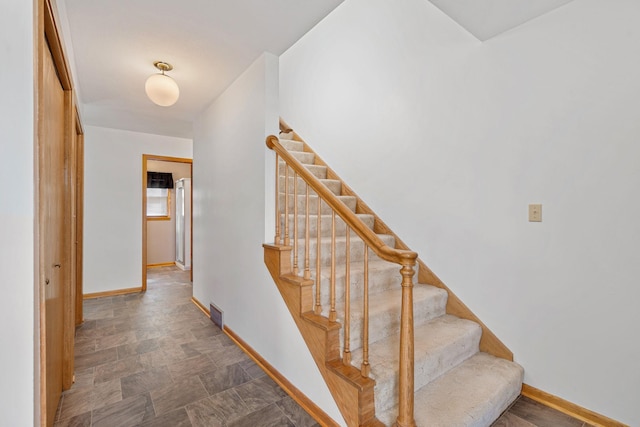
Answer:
(488, 18)
(112, 44)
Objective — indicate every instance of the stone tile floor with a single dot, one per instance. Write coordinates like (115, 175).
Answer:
(155, 359)
(528, 413)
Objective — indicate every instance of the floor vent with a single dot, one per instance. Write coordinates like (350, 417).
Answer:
(216, 315)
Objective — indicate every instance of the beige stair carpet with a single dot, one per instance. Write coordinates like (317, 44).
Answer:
(456, 385)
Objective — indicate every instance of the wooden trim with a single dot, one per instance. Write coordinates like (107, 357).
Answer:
(112, 293)
(569, 408)
(40, 385)
(53, 39)
(201, 306)
(79, 219)
(145, 158)
(144, 223)
(47, 41)
(307, 404)
(398, 256)
(489, 342)
(69, 260)
(191, 228)
(352, 392)
(79, 129)
(285, 127)
(168, 216)
(161, 264)
(167, 159)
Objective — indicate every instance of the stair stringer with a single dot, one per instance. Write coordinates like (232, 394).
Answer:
(489, 342)
(353, 393)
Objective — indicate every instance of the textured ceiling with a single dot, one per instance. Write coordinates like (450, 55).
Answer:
(488, 18)
(112, 45)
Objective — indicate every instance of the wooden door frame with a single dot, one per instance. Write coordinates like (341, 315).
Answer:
(145, 158)
(47, 39)
(79, 219)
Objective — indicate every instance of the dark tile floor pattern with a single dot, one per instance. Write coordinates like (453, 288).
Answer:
(154, 359)
(528, 413)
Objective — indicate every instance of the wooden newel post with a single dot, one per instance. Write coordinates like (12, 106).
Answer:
(406, 379)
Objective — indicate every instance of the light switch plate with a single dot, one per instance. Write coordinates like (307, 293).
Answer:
(535, 213)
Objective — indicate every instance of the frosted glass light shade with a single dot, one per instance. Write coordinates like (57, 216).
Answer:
(162, 90)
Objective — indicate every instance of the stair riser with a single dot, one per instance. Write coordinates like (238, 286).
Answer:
(292, 145)
(318, 171)
(349, 201)
(380, 280)
(443, 344)
(430, 368)
(383, 276)
(332, 184)
(325, 226)
(356, 251)
(304, 158)
(387, 323)
(483, 387)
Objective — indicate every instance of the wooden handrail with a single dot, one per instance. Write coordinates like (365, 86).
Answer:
(384, 251)
(489, 343)
(407, 259)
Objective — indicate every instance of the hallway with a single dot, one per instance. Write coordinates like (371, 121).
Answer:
(154, 359)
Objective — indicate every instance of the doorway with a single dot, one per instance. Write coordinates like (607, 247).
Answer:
(160, 215)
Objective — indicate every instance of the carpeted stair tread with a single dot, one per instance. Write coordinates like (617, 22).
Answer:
(440, 344)
(383, 275)
(292, 145)
(473, 394)
(303, 157)
(384, 316)
(456, 386)
(334, 185)
(349, 201)
(356, 250)
(325, 226)
(318, 171)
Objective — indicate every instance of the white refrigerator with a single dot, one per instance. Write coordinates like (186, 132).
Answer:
(183, 223)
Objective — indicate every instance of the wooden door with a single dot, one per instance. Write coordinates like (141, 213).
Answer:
(53, 239)
(59, 176)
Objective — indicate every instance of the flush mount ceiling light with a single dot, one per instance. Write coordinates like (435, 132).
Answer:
(160, 88)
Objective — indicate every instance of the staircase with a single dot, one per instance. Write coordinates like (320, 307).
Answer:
(392, 352)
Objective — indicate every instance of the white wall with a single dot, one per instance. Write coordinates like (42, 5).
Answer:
(229, 225)
(17, 216)
(113, 203)
(547, 113)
